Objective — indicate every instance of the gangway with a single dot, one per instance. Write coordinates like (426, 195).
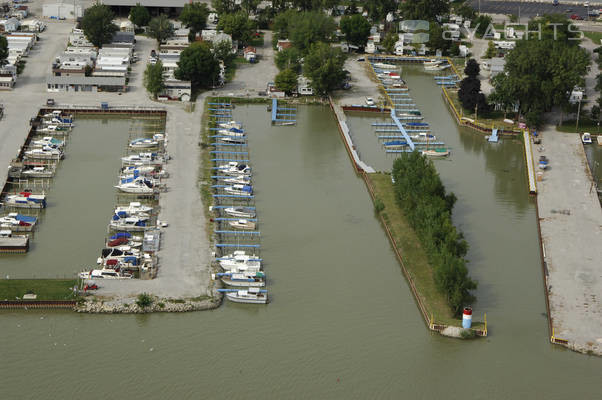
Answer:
(494, 137)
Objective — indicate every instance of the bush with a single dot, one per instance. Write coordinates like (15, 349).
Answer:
(144, 300)
(422, 197)
(379, 206)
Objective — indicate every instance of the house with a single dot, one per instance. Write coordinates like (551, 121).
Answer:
(33, 25)
(283, 44)
(7, 81)
(176, 89)
(126, 26)
(370, 48)
(10, 25)
(496, 66)
(250, 53)
(304, 86)
(576, 96)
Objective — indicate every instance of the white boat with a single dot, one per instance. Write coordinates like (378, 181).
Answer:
(432, 62)
(48, 141)
(233, 139)
(586, 138)
(235, 168)
(230, 124)
(143, 143)
(439, 67)
(58, 122)
(25, 200)
(423, 136)
(243, 224)
(38, 172)
(385, 66)
(53, 130)
(241, 279)
(231, 133)
(236, 180)
(105, 274)
(144, 170)
(239, 190)
(251, 295)
(17, 221)
(240, 261)
(142, 159)
(134, 208)
(436, 153)
(135, 223)
(242, 212)
(58, 114)
(45, 153)
(138, 185)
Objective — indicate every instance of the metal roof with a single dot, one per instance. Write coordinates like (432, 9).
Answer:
(86, 80)
(147, 3)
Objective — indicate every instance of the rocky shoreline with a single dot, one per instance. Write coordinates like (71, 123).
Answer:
(129, 305)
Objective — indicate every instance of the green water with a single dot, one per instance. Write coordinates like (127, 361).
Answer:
(342, 323)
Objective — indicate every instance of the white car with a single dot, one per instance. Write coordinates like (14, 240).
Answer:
(369, 101)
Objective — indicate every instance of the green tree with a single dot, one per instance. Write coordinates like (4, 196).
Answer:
(282, 23)
(153, 78)
(437, 40)
(502, 97)
(139, 15)
(288, 59)
(310, 27)
(324, 66)
(160, 28)
(98, 25)
(198, 65)
(194, 16)
(599, 82)
(465, 10)
(482, 24)
(238, 25)
(286, 81)
(3, 50)
(389, 41)
(224, 6)
(491, 50)
(223, 51)
(472, 68)
(378, 9)
(356, 29)
(424, 9)
(250, 6)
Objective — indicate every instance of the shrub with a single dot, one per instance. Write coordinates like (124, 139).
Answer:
(144, 300)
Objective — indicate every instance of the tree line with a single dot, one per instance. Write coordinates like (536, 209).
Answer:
(422, 197)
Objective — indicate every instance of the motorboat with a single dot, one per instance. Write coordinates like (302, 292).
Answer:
(385, 66)
(143, 143)
(105, 273)
(151, 171)
(134, 208)
(239, 190)
(439, 67)
(235, 168)
(138, 185)
(243, 224)
(251, 295)
(16, 220)
(59, 122)
(48, 141)
(423, 136)
(58, 114)
(25, 200)
(45, 153)
(230, 124)
(38, 172)
(242, 212)
(236, 180)
(53, 130)
(436, 153)
(395, 144)
(231, 133)
(239, 261)
(232, 139)
(241, 279)
(142, 159)
(586, 138)
(124, 238)
(134, 223)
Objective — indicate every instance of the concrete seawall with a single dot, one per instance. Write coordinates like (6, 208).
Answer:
(570, 220)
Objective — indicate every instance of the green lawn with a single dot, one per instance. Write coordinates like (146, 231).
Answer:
(594, 37)
(494, 118)
(585, 125)
(414, 256)
(45, 289)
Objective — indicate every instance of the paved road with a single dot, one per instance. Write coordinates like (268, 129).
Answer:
(530, 9)
(571, 222)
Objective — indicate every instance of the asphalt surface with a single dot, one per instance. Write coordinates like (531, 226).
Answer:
(531, 9)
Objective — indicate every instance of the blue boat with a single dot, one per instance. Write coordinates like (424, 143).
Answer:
(395, 143)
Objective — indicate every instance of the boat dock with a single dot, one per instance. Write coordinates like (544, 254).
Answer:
(494, 138)
(283, 115)
(530, 163)
(570, 217)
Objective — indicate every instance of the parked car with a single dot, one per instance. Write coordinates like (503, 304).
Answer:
(50, 102)
(369, 101)
(576, 17)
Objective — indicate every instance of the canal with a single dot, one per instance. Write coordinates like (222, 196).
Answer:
(342, 323)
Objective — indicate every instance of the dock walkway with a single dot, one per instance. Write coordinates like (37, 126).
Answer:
(570, 221)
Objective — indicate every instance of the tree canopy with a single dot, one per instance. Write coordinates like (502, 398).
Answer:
(356, 29)
(224, 6)
(3, 50)
(286, 80)
(288, 59)
(424, 9)
(310, 27)
(198, 65)
(324, 66)
(153, 78)
(389, 41)
(238, 25)
(139, 15)
(422, 197)
(98, 25)
(378, 9)
(160, 28)
(472, 68)
(194, 16)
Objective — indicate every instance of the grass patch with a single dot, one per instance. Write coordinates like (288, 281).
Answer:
(205, 184)
(493, 118)
(414, 256)
(45, 289)
(594, 37)
(200, 298)
(257, 41)
(177, 301)
(585, 125)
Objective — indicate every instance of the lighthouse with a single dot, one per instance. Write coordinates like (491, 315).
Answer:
(467, 317)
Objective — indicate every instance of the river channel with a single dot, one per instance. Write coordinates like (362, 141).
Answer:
(342, 322)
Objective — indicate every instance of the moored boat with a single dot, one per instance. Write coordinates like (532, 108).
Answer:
(239, 190)
(38, 172)
(105, 273)
(19, 222)
(142, 159)
(230, 124)
(25, 200)
(436, 153)
(241, 279)
(143, 143)
(138, 185)
(136, 223)
(243, 212)
(45, 153)
(252, 295)
(135, 207)
(48, 141)
(243, 224)
(395, 144)
(235, 168)
(586, 138)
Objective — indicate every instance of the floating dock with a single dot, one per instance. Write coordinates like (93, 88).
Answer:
(283, 115)
(530, 163)
(494, 138)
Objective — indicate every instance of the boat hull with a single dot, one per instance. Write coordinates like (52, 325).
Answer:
(259, 300)
(237, 283)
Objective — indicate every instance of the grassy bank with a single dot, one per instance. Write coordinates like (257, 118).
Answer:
(414, 256)
(45, 289)
(585, 125)
(206, 164)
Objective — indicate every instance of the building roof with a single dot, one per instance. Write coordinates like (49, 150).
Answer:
(147, 3)
(86, 80)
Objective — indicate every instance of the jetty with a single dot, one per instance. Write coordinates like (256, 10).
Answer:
(283, 115)
(570, 217)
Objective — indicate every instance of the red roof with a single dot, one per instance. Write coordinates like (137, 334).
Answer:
(284, 44)
(249, 49)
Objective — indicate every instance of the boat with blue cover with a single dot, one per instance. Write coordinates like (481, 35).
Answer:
(18, 222)
(395, 144)
(25, 200)
(139, 185)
